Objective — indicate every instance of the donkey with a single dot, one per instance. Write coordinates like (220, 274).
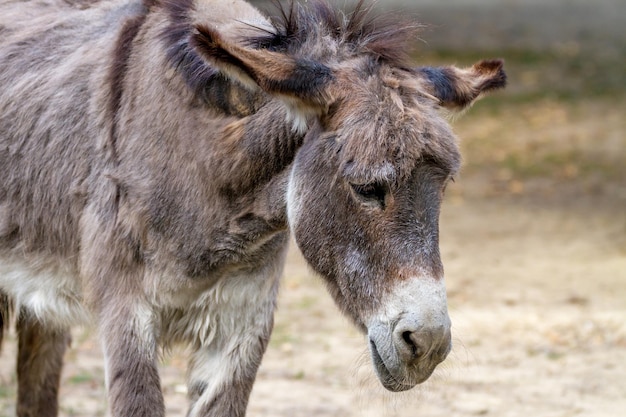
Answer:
(156, 156)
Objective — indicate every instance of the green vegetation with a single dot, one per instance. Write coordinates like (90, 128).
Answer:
(81, 378)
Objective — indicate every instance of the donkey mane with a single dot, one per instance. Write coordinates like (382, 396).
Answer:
(385, 37)
(196, 73)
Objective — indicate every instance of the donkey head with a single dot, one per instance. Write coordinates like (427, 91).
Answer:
(366, 185)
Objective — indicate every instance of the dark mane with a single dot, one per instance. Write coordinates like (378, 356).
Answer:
(207, 84)
(180, 53)
(386, 37)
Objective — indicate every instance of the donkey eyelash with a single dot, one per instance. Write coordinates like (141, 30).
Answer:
(371, 193)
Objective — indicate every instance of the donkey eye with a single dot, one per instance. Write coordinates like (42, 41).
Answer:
(372, 193)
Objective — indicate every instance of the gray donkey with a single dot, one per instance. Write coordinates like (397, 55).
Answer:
(155, 157)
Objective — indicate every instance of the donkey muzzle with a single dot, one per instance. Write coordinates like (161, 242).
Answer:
(408, 354)
(408, 344)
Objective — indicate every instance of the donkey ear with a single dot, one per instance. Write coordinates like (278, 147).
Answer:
(456, 88)
(299, 80)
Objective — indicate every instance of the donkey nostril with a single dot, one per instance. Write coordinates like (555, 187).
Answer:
(415, 344)
(407, 339)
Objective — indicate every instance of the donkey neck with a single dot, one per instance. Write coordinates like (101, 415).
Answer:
(211, 182)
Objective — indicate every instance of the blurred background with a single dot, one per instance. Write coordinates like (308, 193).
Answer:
(533, 239)
(533, 233)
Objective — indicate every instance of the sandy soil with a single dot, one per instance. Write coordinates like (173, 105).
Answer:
(533, 239)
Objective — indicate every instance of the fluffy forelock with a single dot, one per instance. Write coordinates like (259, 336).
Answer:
(303, 27)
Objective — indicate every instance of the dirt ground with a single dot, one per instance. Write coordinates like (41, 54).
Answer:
(533, 239)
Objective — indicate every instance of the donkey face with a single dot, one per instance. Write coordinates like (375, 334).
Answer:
(366, 185)
(363, 204)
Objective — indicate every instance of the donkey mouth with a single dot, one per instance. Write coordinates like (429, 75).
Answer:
(384, 374)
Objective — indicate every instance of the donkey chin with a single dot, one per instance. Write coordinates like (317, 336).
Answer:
(411, 335)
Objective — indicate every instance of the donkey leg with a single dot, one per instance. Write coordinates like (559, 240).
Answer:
(39, 365)
(130, 350)
(221, 373)
(113, 273)
(213, 392)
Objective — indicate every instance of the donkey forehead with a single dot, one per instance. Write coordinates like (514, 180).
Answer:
(384, 133)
